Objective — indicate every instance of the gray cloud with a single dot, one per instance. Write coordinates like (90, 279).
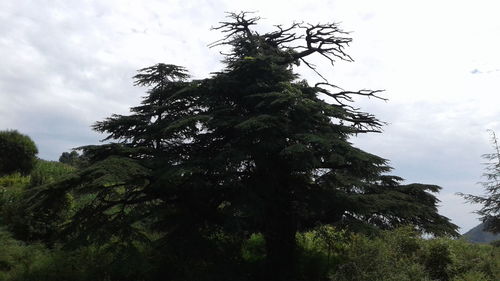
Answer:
(67, 64)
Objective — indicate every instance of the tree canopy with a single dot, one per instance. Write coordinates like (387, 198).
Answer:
(17, 153)
(251, 149)
(490, 211)
(73, 159)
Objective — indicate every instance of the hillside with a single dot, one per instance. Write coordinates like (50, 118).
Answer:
(478, 235)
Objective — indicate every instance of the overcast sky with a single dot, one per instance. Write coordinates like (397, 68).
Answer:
(66, 64)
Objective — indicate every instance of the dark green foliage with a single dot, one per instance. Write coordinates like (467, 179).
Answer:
(17, 212)
(490, 211)
(74, 159)
(467, 258)
(68, 157)
(202, 164)
(438, 260)
(397, 255)
(15, 256)
(17, 153)
(11, 190)
(34, 262)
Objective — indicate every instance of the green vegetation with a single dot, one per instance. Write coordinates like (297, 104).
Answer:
(18, 214)
(73, 159)
(246, 175)
(46, 172)
(17, 153)
(323, 254)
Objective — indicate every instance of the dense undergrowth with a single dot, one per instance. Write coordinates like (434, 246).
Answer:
(393, 255)
(325, 253)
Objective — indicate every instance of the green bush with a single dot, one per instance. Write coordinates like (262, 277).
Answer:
(320, 251)
(11, 190)
(14, 181)
(253, 249)
(472, 276)
(17, 257)
(437, 259)
(34, 262)
(377, 260)
(468, 257)
(324, 254)
(16, 213)
(399, 254)
(17, 153)
(45, 172)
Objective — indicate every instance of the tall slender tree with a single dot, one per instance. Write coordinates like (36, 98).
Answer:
(252, 149)
(490, 210)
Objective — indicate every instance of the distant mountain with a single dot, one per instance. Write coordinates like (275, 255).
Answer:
(478, 235)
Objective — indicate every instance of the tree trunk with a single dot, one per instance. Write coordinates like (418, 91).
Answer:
(279, 234)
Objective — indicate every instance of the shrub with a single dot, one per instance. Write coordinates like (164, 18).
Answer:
(45, 172)
(438, 260)
(472, 276)
(16, 213)
(17, 153)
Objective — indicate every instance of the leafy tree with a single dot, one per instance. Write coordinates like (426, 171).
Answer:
(252, 149)
(490, 212)
(68, 157)
(73, 159)
(17, 153)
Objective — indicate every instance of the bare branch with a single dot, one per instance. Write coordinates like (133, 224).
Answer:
(240, 25)
(325, 39)
(283, 35)
(347, 96)
(313, 67)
